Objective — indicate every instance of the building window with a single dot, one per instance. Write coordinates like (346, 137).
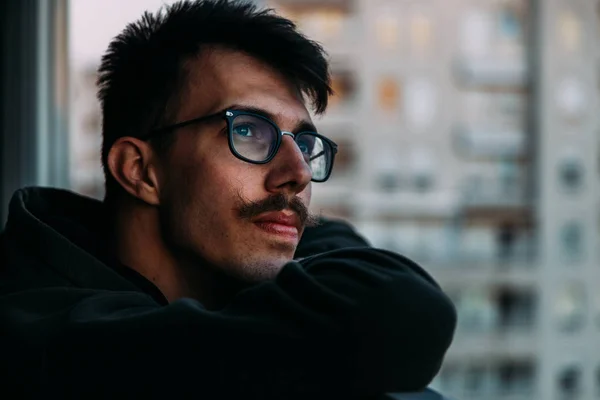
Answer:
(569, 29)
(569, 381)
(343, 86)
(506, 237)
(423, 181)
(388, 93)
(572, 241)
(327, 24)
(476, 33)
(324, 23)
(476, 311)
(571, 174)
(572, 99)
(516, 378)
(510, 23)
(570, 307)
(422, 169)
(420, 99)
(388, 181)
(387, 31)
(516, 309)
(421, 33)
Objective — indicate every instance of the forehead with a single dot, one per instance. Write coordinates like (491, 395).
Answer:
(221, 77)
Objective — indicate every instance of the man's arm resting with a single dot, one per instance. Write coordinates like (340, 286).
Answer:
(329, 235)
(352, 323)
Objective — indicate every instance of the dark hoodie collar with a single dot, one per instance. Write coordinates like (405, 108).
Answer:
(68, 233)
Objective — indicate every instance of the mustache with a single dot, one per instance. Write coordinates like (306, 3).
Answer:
(250, 209)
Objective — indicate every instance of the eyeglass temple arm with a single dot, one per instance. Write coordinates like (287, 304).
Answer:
(316, 156)
(334, 147)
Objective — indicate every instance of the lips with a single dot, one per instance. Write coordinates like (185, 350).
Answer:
(279, 223)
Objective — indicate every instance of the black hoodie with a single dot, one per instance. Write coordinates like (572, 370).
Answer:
(345, 322)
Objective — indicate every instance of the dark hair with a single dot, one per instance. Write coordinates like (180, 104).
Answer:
(142, 72)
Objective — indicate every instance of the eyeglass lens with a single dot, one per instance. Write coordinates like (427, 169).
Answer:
(255, 139)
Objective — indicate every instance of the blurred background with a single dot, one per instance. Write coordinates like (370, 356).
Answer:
(469, 141)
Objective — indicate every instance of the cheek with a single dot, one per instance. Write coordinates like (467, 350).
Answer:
(200, 168)
(200, 209)
(208, 181)
(214, 188)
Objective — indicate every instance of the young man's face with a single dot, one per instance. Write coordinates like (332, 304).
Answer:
(204, 186)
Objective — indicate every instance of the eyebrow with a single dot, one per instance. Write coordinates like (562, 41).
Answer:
(301, 126)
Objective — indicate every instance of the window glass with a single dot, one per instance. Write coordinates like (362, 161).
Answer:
(570, 307)
(388, 93)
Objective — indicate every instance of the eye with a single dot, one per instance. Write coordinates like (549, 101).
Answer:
(306, 144)
(303, 147)
(243, 130)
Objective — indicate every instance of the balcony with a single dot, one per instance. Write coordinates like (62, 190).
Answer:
(492, 72)
(490, 144)
(511, 378)
(495, 196)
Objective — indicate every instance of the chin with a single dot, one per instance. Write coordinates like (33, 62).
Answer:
(258, 271)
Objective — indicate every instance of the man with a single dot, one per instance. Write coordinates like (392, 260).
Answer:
(183, 281)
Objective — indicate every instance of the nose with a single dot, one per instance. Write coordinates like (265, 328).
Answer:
(288, 170)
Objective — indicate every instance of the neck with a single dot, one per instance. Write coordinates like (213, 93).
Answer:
(139, 245)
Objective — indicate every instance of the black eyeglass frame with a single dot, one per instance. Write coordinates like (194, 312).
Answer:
(229, 116)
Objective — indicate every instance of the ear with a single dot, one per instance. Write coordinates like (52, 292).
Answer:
(132, 163)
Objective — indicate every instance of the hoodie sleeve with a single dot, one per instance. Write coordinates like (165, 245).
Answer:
(328, 235)
(348, 323)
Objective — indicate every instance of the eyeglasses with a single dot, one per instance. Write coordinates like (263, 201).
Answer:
(256, 139)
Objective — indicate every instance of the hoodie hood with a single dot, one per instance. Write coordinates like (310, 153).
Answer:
(55, 236)
(75, 326)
